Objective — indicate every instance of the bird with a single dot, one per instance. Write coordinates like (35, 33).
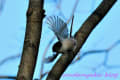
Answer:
(66, 43)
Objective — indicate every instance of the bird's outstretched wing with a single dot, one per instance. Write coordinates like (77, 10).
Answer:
(58, 26)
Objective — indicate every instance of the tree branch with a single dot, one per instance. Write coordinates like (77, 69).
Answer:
(81, 37)
(86, 53)
(12, 77)
(2, 5)
(9, 58)
(35, 14)
(71, 28)
(7, 77)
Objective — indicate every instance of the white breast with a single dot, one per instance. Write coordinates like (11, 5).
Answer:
(69, 44)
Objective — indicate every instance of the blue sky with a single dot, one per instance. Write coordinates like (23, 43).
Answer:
(12, 30)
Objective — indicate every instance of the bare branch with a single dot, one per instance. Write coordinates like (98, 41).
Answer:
(35, 15)
(71, 26)
(73, 11)
(104, 63)
(81, 37)
(103, 51)
(43, 57)
(11, 77)
(79, 57)
(2, 4)
(7, 77)
(9, 58)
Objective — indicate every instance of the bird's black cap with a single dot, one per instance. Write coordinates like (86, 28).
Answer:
(57, 46)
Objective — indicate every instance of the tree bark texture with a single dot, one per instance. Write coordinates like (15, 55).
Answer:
(35, 15)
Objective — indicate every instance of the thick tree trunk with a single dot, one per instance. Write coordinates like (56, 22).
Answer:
(35, 15)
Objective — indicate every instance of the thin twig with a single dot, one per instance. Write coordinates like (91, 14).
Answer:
(2, 4)
(7, 77)
(97, 51)
(9, 58)
(71, 27)
(12, 77)
(73, 11)
(43, 57)
(105, 51)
